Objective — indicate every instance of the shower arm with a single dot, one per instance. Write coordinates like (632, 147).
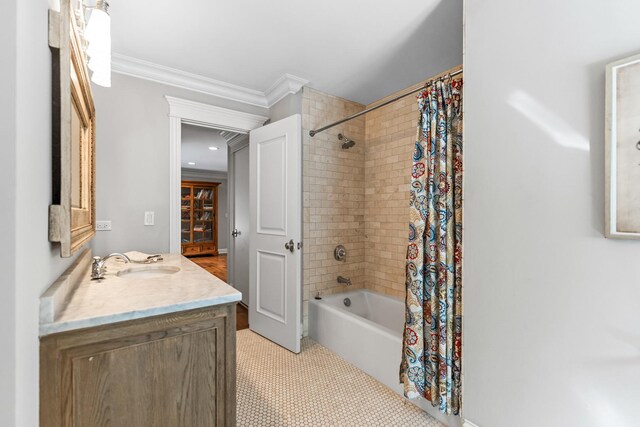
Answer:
(313, 132)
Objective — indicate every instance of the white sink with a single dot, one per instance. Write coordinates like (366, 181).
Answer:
(147, 272)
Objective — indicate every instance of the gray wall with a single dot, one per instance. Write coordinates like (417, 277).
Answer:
(32, 262)
(8, 212)
(132, 168)
(551, 328)
(223, 210)
(290, 104)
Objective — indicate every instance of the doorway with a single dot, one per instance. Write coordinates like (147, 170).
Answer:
(205, 218)
(238, 274)
(182, 111)
(275, 211)
(193, 128)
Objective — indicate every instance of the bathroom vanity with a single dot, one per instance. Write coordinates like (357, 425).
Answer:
(148, 345)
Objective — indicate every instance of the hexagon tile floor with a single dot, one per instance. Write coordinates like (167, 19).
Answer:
(315, 388)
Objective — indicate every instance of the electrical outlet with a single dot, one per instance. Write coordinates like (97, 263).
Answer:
(149, 218)
(103, 225)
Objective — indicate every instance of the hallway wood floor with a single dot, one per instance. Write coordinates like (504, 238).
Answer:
(217, 265)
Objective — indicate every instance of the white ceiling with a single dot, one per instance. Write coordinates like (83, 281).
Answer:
(196, 141)
(361, 50)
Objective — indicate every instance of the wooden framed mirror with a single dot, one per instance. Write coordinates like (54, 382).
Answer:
(72, 212)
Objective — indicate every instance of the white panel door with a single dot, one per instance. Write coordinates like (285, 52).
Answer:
(275, 177)
(240, 222)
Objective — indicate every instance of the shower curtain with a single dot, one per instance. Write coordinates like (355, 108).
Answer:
(431, 356)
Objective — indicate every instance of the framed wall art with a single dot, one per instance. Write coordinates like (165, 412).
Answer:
(622, 145)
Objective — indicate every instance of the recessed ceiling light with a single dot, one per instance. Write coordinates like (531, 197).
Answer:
(213, 148)
(191, 163)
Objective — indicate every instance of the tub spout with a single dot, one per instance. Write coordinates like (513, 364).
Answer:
(344, 280)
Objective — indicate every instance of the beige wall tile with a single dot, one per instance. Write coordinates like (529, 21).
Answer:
(390, 138)
(333, 197)
(357, 197)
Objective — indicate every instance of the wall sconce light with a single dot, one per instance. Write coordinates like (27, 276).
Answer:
(98, 36)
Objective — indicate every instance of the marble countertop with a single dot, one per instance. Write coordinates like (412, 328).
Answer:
(75, 301)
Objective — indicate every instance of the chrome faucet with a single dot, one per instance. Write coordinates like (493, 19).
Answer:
(344, 280)
(98, 268)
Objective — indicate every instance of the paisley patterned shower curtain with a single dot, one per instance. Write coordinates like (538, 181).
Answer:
(431, 356)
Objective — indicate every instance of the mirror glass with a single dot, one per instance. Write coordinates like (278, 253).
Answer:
(76, 167)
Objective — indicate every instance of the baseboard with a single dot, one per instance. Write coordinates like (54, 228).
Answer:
(223, 251)
(468, 423)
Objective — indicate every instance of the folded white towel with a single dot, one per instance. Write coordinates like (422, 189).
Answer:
(136, 256)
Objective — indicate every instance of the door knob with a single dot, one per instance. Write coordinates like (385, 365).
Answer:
(289, 246)
(235, 232)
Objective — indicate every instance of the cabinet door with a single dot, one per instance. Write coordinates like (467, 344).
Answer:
(186, 215)
(179, 373)
(154, 383)
(204, 213)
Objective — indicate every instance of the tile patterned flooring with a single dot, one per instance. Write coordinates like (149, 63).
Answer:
(313, 388)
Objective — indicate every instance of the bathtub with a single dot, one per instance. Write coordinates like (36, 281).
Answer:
(368, 334)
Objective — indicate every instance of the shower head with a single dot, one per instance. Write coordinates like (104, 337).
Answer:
(348, 143)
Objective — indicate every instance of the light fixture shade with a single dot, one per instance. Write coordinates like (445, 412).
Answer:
(98, 35)
(101, 78)
(100, 63)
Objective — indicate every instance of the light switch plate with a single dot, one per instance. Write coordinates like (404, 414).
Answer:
(149, 218)
(103, 225)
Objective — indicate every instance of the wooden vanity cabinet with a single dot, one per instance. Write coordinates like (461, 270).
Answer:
(174, 370)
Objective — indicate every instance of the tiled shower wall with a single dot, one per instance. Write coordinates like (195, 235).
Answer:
(357, 197)
(333, 196)
(390, 134)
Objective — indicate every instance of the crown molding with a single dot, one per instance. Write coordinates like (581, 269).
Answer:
(129, 66)
(212, 116)
(239, 142)
(232, 140)
(204, 174)
(285, 85)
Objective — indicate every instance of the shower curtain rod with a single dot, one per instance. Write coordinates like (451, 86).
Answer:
(313, 132)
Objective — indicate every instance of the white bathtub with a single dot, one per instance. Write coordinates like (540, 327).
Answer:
(367, 334)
